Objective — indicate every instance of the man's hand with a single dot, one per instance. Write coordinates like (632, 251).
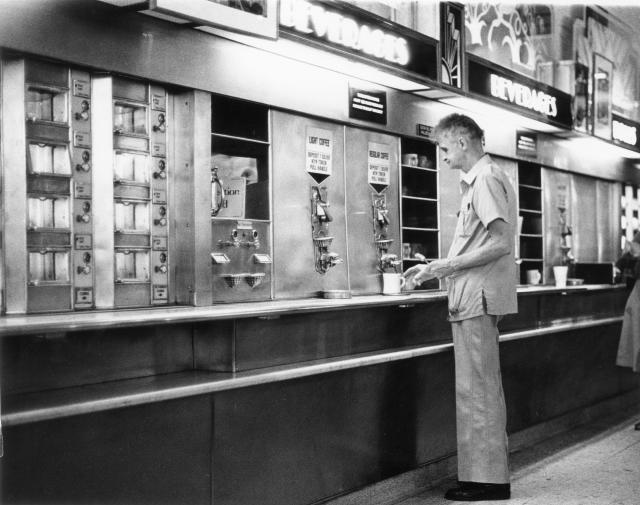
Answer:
(440, 268)
(416, 275)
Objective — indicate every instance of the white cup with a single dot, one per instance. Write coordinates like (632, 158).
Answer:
(560, 275)
(533, 276)
(392, 283)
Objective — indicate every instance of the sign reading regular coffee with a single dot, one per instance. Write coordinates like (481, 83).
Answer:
(625, 132)
(348, 28)
(368, 105)
(520, 92)
(379, 165)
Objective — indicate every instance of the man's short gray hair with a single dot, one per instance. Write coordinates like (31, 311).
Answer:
(459, 124)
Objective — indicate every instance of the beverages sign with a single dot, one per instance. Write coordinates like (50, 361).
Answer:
(523, 96)
(344, 27)
(332, 26)
(520, 92)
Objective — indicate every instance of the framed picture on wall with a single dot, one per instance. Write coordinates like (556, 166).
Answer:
(602, 77)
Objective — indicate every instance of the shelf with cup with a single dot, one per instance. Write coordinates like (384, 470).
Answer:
(419, 205)
(530, 237)
(530, 264)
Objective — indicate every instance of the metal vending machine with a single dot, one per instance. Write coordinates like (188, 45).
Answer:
(373, 216)
(240, 195)
(310, 241)
(47, 148)
(141, 220)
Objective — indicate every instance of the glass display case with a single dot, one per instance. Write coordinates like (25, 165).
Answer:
(132, 266)
(530, 212)
(51, 202)
(46, 158)
(131, 167)
(48, 212)
(46, 104)
(141, 212)
(129, 119)
(48, 267)
(419, 204)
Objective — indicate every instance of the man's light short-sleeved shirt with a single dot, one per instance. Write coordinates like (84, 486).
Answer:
(487, 195)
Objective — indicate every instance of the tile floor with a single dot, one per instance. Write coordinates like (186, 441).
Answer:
(597, 463)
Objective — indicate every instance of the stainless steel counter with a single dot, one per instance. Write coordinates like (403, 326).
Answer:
(103, 319)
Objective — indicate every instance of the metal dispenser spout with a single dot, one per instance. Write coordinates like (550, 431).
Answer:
(565, 238)
(329, 259)
(389, 261)
(320, 219)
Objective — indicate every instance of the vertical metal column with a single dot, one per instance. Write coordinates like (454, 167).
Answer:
(161, 211)
(191, 138)
(15, 186)
(82, 264)
(102, 181)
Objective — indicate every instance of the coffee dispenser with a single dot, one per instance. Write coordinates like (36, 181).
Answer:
(310, 244)
(373, 217)
(323, 257)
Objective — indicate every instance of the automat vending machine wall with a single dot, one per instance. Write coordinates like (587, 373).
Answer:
(240, 213)
(85, 196)
(309, 196)
(141, 210)
(373, 216)
(47, 158)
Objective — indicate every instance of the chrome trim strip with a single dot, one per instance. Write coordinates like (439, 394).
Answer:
(101, 319)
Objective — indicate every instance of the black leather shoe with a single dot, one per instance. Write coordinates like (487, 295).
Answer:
(478, 491)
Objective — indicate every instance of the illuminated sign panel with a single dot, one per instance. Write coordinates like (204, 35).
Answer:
(520, 92)
(625, 132)
(524, 96)
(368, 105)
(308, 18)
(526, 144)
(342, 26)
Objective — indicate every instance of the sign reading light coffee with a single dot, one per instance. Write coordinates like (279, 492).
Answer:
(347, 28)
(521, 92)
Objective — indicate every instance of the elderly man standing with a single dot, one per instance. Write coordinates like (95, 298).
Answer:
(480, 273)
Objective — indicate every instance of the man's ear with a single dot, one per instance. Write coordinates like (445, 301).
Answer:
(462, 142)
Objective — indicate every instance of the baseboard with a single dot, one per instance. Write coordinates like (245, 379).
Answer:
(415, 481)
(626, 402)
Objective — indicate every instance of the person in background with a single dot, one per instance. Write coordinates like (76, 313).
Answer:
(628, 263)
(629, 345)
(480, 273)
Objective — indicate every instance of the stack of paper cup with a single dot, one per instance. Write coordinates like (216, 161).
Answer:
(560, 275)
